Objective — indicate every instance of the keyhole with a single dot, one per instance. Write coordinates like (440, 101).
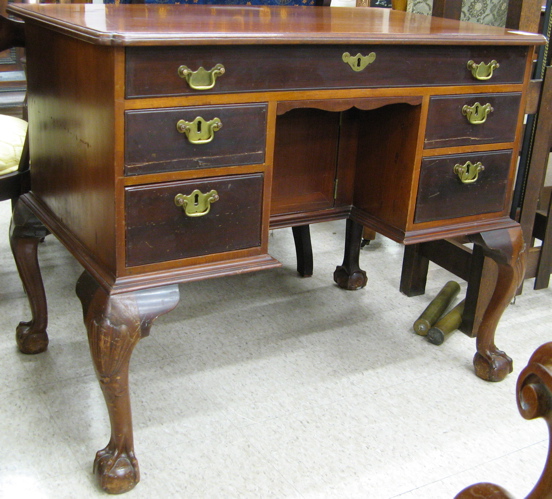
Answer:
(196, 199)
(199, 127)
(358, 62)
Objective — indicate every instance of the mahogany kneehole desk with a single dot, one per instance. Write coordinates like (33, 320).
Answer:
(167, 140)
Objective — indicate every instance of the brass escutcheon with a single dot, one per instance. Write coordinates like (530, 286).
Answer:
(477, 114)
(483, 71)
(359, 62)
(201, 79)
(196, 204)
(468, 173)
(199, 131)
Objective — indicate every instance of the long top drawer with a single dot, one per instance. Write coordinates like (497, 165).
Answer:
(158, 71)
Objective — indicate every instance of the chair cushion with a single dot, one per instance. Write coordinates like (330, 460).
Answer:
(12, 138)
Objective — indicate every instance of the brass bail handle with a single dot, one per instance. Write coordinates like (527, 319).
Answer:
(468, 173)
(201, 79)
(199, 131)
(483, 71)
(196, 204)
(359, 61)
(477, 114)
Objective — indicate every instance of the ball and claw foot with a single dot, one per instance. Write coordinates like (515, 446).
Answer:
(344, 280)
(494, 366)
(117, 471)
(28, 341)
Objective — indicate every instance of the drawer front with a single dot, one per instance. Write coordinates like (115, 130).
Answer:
(442, 195)
(158, 230)
(153, 71)
(493, 119)
(154, 144)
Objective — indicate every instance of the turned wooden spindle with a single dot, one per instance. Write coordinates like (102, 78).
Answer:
(534, 399)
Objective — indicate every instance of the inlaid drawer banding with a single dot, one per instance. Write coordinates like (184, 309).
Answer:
(472, 119)
(153, 71)
(218, 136)
(442, 194)
(159, 230)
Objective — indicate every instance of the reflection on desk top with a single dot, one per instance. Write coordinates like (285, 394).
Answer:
(150, 24)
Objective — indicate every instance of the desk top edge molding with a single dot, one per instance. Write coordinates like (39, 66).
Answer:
(143, 25)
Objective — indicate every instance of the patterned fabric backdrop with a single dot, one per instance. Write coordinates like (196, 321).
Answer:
(492, 12)
(420, 6)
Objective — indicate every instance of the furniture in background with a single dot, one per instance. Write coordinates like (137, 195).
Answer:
(12, 77)
(532, 198)
(14, 154)
(165, 150)
(496, 13)
(534, 209)
(534, 400)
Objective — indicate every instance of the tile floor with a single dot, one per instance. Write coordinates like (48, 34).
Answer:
(271, 386)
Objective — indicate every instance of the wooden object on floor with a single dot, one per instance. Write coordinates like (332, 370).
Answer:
(534, 400)
(436, 308)
(143, 212)
(446, 325)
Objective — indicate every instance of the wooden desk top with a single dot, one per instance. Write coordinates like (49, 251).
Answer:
(210, 24)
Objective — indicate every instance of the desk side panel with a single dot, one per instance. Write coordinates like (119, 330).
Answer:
(71, 115)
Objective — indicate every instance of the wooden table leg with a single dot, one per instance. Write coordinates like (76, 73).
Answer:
(115, 323)
(303, 249)
(414, 271)
(507, 249)
(26, 232)
(350, 275)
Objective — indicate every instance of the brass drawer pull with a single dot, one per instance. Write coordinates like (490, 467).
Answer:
(196, 204)
(201, 79)
(468, 173)
(483, 71)
(199, 131)
(477, 114)
(359, 62)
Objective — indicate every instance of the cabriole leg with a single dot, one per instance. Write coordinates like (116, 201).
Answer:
(26, 232)
(115, 324)
(350, 275)
(507, 249)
